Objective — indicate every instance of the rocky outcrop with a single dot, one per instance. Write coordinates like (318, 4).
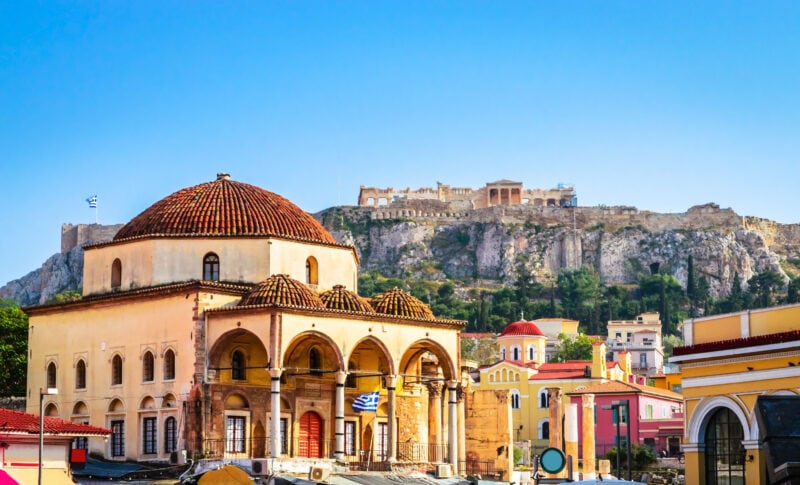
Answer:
(61, 272)
(621, 243)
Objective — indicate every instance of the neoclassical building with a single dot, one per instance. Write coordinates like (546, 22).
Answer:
(224, 321)
(729, 361)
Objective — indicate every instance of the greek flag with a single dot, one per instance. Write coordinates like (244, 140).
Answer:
(366, 402)
(92, 200)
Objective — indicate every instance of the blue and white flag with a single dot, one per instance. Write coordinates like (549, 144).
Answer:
(366, 402)
(92, 200)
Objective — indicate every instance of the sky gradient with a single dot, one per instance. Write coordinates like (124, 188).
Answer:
(659, 105)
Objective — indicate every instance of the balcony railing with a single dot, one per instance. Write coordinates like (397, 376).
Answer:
(422, 452)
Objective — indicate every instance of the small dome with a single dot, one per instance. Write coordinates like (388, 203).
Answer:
(282, 290)
(399, 303)
(521, 328)
(341, 299)
(225, 208)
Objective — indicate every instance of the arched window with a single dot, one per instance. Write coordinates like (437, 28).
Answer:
(544, 399)
(51, 375)
(315, 362)
(312, 276)
(515, 353)
(211, 267)
(238, 366)
(148, 363)
(170, 435)
(116, 274)
(531, 352)
(116, 370)
(169, 365)
(514, 399)
(724, 450)
(80, 375)
(545, 431)
(502, 353)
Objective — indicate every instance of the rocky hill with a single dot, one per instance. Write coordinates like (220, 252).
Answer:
(491, 246)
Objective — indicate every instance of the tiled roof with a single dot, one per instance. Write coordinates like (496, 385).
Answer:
(280, 289)
(739, 343)
(15, 422)
(400, 303)
(225, 208)
(616, 387)
(340, 298)
(521, 328)
(545, 376)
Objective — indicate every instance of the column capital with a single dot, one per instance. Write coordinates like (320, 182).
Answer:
(452, 384)
(276, 372)
(587, 400)
(390, 380)
(341, 376)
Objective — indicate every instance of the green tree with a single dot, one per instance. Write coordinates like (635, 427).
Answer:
(793, 291)
(691, 286)
(13, 349)
(670, 342)
(641, 456)
(580, 295)
(663, 293)
(761, 287)
(573, 348)
(483, 350)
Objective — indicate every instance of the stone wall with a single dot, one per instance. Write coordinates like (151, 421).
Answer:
(74, 235)
(13, 403)
(488, 428)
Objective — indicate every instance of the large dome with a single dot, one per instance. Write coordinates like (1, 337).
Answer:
(521, 328)
(225, 208)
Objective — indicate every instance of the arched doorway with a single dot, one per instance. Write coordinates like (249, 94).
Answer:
(723, 449)
(310, 435)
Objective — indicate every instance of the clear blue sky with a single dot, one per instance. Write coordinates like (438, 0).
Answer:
(662, 105)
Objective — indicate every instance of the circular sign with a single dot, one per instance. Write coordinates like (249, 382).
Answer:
(552, 460)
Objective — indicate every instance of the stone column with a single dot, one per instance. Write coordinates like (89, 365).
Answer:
(275, 410)
(435, 414)
(341, 376)
(391, 382)
(452, 405)
(571, 436)
(554, 397)
(462, 425)
(556, 427)
(588, 437)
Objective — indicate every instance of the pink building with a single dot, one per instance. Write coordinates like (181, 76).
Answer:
(656, 415)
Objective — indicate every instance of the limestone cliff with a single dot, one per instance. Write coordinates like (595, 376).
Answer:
(492, 245)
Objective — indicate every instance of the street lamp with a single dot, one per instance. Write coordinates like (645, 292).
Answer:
(618, 406)
(50, 391)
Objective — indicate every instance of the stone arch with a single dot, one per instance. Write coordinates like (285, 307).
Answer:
(696, 429)
(147, 403)
(426, 348)
(236, 401)
(169, 401)
(369, 360)
(80, 409)
(51, 410)
(256, 357)
(295, 355)
(116, 406)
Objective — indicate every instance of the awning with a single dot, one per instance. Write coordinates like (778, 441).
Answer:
(5, 479)
(227, 475)
(50, 476)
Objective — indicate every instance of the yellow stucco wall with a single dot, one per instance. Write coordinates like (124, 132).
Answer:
(160, 261)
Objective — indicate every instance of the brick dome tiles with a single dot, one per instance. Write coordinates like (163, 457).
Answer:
(225, 208)
(521, 328)
(402, 304)
(340, 298)
(282, 290)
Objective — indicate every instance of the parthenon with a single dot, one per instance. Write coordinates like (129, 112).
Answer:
(501, 192)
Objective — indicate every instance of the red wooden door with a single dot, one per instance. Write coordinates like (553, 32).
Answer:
(310, 435)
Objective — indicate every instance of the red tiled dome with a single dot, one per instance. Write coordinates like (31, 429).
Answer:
(399, 303)
(521, 328)
(281, 290)
(341, 299)
(225, 208)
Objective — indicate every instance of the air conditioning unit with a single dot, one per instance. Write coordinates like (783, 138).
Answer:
(444, 471)
(177, 457)
(260, 467)
(318, 474)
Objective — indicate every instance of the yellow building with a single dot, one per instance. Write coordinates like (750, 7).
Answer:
(728, 362)
(218, 322)
(522, 369)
